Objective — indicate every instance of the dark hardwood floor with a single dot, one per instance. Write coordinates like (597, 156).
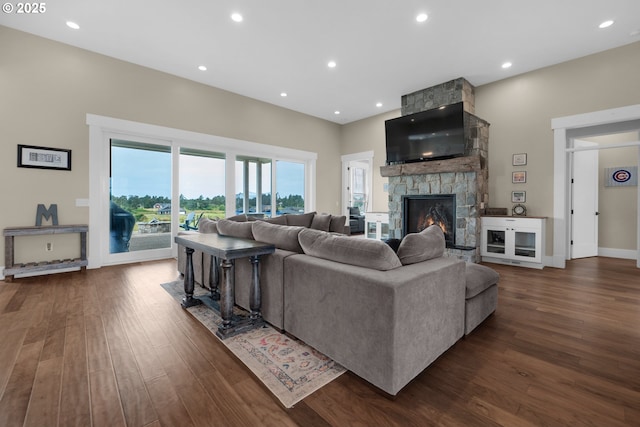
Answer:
(109, 347)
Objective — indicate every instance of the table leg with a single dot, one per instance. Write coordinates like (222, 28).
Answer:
(214, 279)
(189, 300)
(227, 297)
(254, 293)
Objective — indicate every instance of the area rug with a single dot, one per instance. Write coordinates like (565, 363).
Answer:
(289, 368)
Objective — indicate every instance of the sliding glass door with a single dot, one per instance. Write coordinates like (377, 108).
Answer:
(139, 198)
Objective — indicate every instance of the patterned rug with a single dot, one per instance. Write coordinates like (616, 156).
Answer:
(289, 368)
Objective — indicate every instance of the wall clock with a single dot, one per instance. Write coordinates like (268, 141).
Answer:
(519, 210)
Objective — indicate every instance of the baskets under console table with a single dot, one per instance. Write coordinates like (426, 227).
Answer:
(12, 269)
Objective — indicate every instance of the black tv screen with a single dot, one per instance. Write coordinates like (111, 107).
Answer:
(428, 135)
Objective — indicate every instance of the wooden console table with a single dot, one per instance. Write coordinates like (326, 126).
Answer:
(226, 249)
(10, 233)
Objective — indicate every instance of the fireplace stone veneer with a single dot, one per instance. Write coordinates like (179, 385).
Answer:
(465, 187)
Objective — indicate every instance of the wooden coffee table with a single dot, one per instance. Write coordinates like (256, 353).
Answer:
(226, 249)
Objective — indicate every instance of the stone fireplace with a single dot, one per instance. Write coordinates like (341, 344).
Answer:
(463, 179)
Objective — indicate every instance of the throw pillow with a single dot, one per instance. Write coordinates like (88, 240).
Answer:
(206, 225)
(369, 253)
(338, 224)
(422, 246)
(321, 222)
(301, 220)
(283, 236)
(235, 229)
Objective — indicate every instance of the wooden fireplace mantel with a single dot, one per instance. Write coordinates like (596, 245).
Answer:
(457, 164)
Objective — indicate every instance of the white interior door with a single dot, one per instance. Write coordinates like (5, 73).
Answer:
(584, 224)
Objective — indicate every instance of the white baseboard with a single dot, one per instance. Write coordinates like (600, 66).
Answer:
(618, 253)
(39, 273)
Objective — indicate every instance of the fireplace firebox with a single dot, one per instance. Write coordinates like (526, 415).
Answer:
(421, 211)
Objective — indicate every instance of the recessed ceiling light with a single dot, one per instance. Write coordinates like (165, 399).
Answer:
(236, 17)
(283, 94)
(202, 68)
(606, 24)
(336, 112)
(332, 64)
(73, 25)
(507, 65)
(379, 104)
(422, 17)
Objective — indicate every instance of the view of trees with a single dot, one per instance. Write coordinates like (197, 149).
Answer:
(292, 202)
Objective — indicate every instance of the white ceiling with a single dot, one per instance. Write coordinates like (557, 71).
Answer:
(381, 51)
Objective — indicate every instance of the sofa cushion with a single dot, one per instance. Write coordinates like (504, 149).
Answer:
(206, 225)
(368, 253)
(301, 220)
(235, 229)
(418, 247)
(238, 218)
(479, 278)
(321, 222)
(276, 220)
(338, 224)
(282, 236)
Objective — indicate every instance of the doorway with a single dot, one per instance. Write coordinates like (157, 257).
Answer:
(357, 177)
(566, 131)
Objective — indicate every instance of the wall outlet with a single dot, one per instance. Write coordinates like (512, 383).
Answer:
(48, 247)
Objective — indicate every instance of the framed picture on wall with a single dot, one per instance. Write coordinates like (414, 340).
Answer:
(518, 196)
(520, 159)
(519, 177)
(31, 156)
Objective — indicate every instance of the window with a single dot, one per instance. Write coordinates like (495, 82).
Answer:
(290, 187)
(193, 173)
(253, 186)
(202, 186)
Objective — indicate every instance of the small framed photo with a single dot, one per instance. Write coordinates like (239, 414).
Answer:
(519, 177)
(31, 156)
(518, 196)
(520, 159)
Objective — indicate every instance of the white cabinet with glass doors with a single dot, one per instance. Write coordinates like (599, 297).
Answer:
(376, 225)
(513, 240)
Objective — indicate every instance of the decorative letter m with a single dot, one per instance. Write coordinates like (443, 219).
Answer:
(51, 213)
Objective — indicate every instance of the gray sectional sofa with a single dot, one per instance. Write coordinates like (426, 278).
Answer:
(384, 315)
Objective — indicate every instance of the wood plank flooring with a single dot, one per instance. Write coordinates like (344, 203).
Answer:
(109, 347)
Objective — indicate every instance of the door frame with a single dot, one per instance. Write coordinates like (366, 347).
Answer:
(565, 130)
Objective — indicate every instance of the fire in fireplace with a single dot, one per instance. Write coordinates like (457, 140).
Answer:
(419, 212)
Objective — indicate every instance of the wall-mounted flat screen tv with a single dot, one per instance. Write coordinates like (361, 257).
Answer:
(428, 135)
